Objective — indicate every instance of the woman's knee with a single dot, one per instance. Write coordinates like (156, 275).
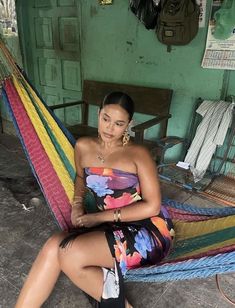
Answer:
(51, 247)
(81, 253)
(74, 254)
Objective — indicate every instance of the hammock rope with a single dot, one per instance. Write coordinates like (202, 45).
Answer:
(203, 267)
(223, 211)
(205, 237)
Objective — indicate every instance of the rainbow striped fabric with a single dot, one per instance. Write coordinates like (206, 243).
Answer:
(205, 237)
(48, 150)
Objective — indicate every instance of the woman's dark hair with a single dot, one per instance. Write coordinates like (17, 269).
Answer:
(121, 99)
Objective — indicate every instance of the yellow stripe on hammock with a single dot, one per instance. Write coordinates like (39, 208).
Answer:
(192, 230)
(187, 230)
(55, 160)
(62, 140)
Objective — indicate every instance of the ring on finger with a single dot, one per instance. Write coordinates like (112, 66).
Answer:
(80, 222)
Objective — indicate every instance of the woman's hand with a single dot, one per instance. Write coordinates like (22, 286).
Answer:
(77, 211)
(88, 220)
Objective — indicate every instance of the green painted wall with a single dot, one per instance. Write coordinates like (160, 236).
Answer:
(117, 47)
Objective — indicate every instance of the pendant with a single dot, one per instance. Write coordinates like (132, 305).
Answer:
(101, 158)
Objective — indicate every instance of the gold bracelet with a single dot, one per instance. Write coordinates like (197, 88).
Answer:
(119, 215)
(115, 218)
(76, 204)
(75, 198)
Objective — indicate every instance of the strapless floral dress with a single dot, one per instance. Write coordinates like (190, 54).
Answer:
(132, 244)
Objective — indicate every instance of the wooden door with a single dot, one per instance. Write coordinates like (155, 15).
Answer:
(50, 37)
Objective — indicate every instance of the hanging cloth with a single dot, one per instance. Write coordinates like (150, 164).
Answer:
(210, 133)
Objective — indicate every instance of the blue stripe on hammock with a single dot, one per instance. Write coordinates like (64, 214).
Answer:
(189, 269)
(219, 212)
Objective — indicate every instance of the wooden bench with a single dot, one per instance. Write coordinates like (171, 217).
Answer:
(149, 101)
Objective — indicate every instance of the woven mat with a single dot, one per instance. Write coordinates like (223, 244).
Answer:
(223, 187)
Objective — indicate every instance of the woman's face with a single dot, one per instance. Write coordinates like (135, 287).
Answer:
(113, 121)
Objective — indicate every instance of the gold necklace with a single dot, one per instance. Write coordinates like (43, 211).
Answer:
(101, 158)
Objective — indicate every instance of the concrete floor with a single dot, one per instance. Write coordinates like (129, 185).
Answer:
(24, 232)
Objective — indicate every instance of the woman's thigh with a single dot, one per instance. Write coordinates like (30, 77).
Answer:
(90, 249)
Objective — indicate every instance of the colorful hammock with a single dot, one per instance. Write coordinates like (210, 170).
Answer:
(205, 237)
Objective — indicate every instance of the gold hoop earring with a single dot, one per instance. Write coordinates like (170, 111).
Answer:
(126, 138)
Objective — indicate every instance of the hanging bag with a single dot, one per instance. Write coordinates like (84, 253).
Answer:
(177, 21)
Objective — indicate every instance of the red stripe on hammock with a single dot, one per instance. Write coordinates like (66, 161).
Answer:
(186, 216)
(52, 187)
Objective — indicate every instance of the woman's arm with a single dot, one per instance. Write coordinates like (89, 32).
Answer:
(150, 189)
(79, 187)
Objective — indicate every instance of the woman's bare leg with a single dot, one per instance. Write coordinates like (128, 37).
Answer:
(81, 261)
(88, 253)
(42, 276)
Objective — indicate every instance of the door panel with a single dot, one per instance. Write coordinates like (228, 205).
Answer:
(43, 32)
(51, 44)
(71, 75)
(69, 34)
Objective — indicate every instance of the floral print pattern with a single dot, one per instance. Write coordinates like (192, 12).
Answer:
(143, 242)
(136, 243)
(99, 184)
(125, 199)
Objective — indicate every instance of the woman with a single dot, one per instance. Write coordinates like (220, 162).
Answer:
(127, 230)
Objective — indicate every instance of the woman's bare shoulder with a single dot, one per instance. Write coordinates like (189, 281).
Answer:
(138, 150)
(141, 156)
(85, 142)
(144, 162)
